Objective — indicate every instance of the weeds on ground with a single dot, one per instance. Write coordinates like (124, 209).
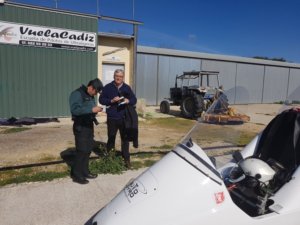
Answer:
(149, 162)
(165, 146)
(146, 159)
(109, 163)
(243, 139)
(48, 158)
(31, 175)
(14, 130)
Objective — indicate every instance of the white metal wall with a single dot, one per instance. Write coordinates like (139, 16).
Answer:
(146, 78)
(168, 68)
(250, 77)
(246, 81)
(275, 84)
(294, 81)
(227, 75)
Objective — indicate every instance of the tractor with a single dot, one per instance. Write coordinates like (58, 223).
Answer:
(191, 94)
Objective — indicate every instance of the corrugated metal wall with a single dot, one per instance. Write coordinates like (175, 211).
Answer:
(36, 82)
(168, 68)
(244, 82)
(146, 80)
(227, 81)
(294, 80)
(249, 83)
(275, 84)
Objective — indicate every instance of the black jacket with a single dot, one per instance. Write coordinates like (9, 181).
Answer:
(131, 124)
(110, 91)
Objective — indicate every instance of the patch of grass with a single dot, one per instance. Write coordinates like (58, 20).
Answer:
(149, 162)
(146, 159)
(221, 152)
(146, 155)
(143, 155)
(41, 176)
(30, 175)
(243, 138)
(48, 158)
(279, 102)
(137, 164)
(173, 123)
(14, 130)
(219, 133)
(108, 164)
(146, 115)
(165, 146)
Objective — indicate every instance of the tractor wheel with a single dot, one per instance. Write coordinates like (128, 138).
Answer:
(192, 106)
(199, 104)
(164, 107)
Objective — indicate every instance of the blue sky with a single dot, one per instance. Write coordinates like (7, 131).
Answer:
(268, 28)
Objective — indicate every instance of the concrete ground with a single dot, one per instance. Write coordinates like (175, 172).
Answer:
(59, 202)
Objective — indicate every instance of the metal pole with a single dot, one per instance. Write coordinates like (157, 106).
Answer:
(98, 7)
(133, 9)
(135, 32)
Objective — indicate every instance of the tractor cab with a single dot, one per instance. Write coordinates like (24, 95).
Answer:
(194, 92)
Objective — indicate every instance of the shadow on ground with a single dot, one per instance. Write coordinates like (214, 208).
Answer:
(172, 112)
(68, 155)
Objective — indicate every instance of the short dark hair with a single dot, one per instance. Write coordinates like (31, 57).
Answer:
(96, 84)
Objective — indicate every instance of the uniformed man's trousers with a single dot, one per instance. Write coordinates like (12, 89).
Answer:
(84, 143)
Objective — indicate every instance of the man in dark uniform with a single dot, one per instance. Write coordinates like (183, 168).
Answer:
(84, 110)
(115, 96)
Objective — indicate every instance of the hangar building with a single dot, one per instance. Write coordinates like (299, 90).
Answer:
(246, 80)
(47, 53)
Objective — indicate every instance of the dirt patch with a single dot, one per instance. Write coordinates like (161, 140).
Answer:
(45, 142)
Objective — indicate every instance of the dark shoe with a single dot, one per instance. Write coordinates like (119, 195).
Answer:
(127, 164)
(91, 176)
(80, 180)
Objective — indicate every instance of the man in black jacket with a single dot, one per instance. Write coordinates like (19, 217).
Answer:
(84, 110)
(116, 95)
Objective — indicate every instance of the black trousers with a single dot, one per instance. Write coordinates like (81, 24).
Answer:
(84, 143)
(113, 126)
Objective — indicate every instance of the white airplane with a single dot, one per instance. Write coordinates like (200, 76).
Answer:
(259, 186)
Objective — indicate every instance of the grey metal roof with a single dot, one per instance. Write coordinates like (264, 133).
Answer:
(189, 54)
(120, 20)
(115, 35)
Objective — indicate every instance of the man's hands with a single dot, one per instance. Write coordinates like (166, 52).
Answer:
(97, 109)
(118, 99)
